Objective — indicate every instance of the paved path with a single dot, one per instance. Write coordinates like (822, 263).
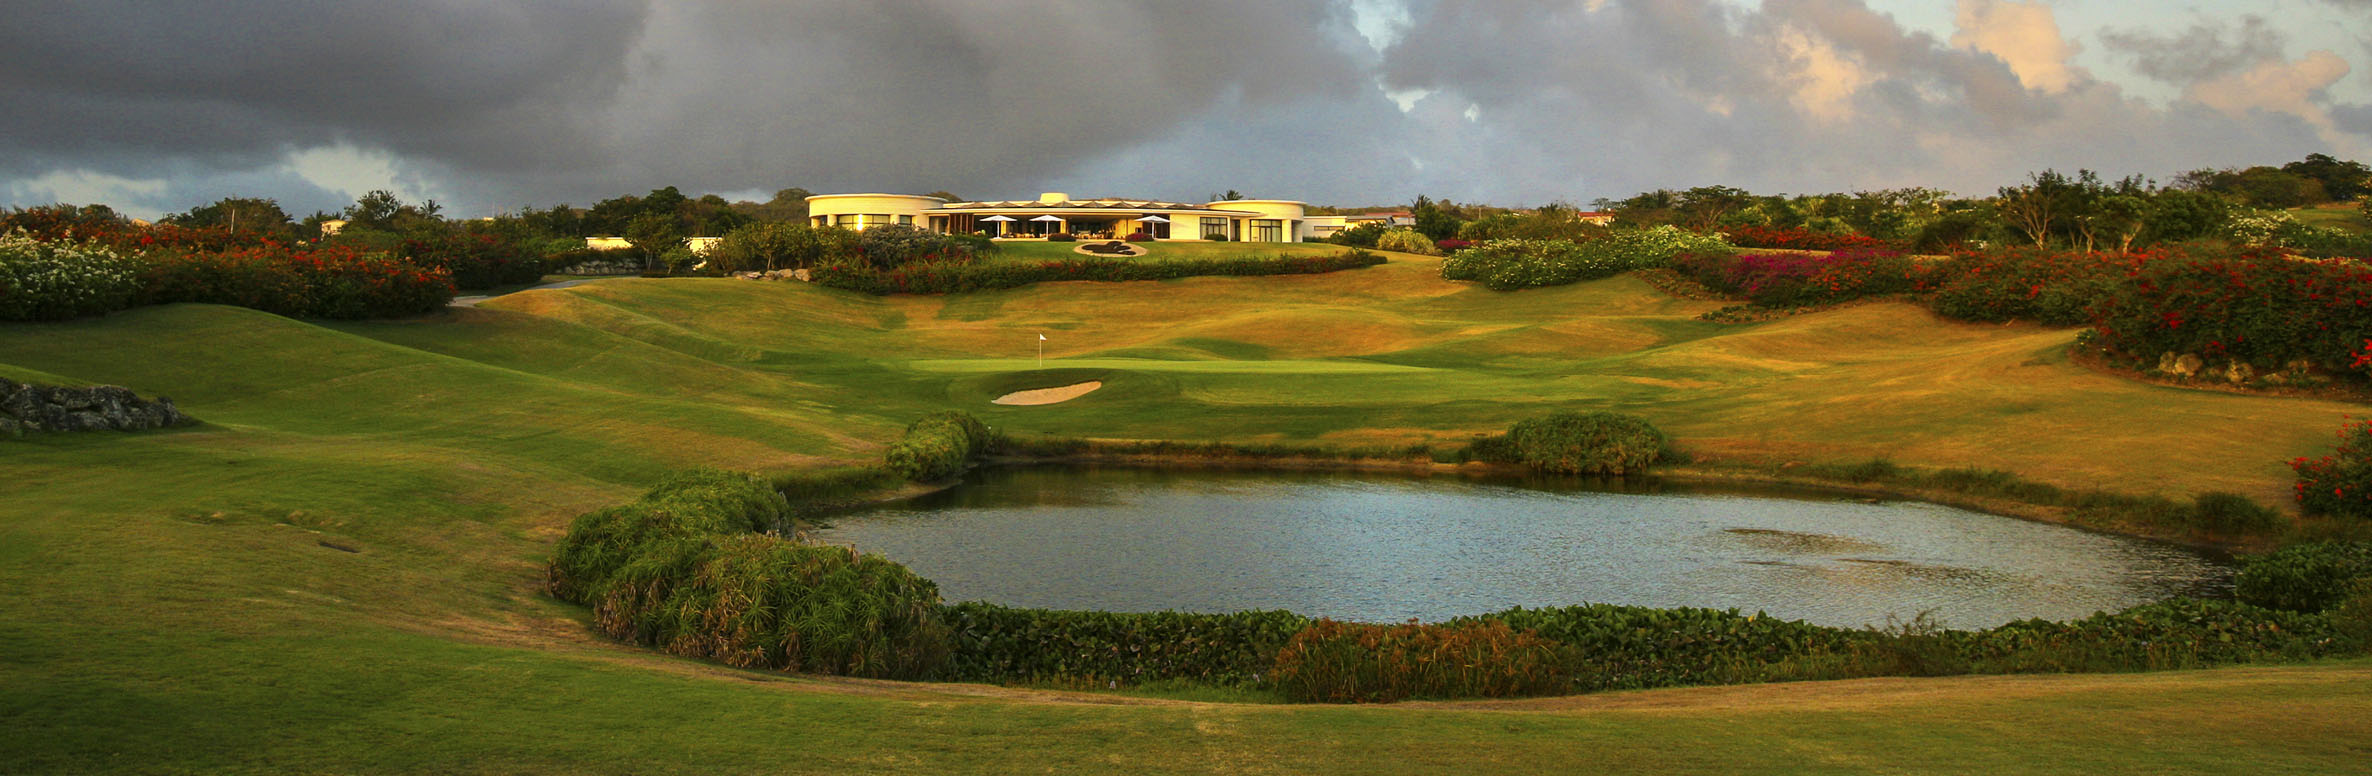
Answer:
(474, 299)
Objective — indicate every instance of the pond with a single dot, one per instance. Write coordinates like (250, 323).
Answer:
(1380, 548)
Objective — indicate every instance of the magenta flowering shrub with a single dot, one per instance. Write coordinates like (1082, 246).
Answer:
(2340, 483)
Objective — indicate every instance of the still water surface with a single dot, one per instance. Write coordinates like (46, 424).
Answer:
(1385, 549)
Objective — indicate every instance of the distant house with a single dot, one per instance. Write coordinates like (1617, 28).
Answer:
(332, 227)
(1243, 220)
(699, 246)
(1596, 217)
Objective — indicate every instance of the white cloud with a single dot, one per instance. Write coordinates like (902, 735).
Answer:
(2024, 35)
(2291, 88)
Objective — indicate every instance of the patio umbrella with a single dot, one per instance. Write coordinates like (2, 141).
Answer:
(1000, 229)
(1047, 218)
(1154, 220)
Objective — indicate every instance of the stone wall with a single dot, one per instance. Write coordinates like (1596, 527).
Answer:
(27, 408)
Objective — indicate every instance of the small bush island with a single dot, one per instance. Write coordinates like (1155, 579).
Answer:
(56, 281)
(938, 447)
(2308, 577)
(1578, 443)
(1406, 241)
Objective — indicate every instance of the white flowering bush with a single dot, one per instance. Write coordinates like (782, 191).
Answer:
(54, 281)
(1506, 265)
(2260, 227)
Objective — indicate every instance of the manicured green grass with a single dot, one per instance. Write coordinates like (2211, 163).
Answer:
(2343, 217)
(339, 570)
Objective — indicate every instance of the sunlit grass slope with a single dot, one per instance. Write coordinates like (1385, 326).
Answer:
(337, 571)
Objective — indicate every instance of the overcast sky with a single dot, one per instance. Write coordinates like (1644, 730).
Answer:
(155, 106)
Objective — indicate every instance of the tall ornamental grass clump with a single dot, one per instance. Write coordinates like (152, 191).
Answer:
(1578, 443)
(686, 569)
(2339, 484)
(938, 446)
(1348, 662)
(1507, 265)
(2308, 577)
(56, 281)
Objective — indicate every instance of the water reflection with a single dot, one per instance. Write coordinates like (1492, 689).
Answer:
(1383, 548)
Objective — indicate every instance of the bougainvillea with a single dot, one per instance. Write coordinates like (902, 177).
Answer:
(2339, 483)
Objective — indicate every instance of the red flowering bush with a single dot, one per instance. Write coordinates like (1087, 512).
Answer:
(332, 282)
(2257, 308)
(2060, 289)
(1799, 279)
(2339, 483)
(1452, 245)
(1799, 239)
(474, 260)
(1138, 237)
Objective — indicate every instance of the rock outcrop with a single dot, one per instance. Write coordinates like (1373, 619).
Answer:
(28, 408)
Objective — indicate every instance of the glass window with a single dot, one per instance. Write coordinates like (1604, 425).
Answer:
(905, 220)
(1267, 230)
(1214, 227)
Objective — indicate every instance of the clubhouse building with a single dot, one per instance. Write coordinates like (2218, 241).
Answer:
(1239, 220)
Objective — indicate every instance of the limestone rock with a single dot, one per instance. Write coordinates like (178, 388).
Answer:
(2239, 373)
(27, 408)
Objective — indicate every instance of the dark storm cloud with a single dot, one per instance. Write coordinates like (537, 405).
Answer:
(127, 87)
(2199, 53)
(492, 104)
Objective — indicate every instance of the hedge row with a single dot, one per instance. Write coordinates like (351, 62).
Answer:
(1005, 644)
(59, 280)
(952, 277)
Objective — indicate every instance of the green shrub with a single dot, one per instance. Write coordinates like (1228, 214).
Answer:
(1061, 237)
(1584, 443)
(2308, 577)
(1363, 235)
(1339, 662)
(1406, 241)
(771, 245)
(685, 506)
(2233, 513)
(758, 601)
(897, 245)
(55, 281)
(1005, 644)
(937, 447)
(1634, 647)
(476, 261)
(2173, 634)
(2352, 618)
(2340, 483)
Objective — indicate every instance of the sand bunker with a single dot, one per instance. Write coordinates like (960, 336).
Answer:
(1049, 395)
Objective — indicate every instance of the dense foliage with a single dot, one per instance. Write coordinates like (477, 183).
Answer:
(1342, 662)
(937, 447)
(2307, 577)
(1800, 239)
(1633, 647)
(1005, 644)
(2254, 308)
(683, 569)
(475, 261)
(1800, 279)
(952, 277)
(329, 282)
(1578, 443)
(2340, 483)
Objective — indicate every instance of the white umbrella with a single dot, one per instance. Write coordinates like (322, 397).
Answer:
(1048, 218)
(1154, 220)
(998, 218)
